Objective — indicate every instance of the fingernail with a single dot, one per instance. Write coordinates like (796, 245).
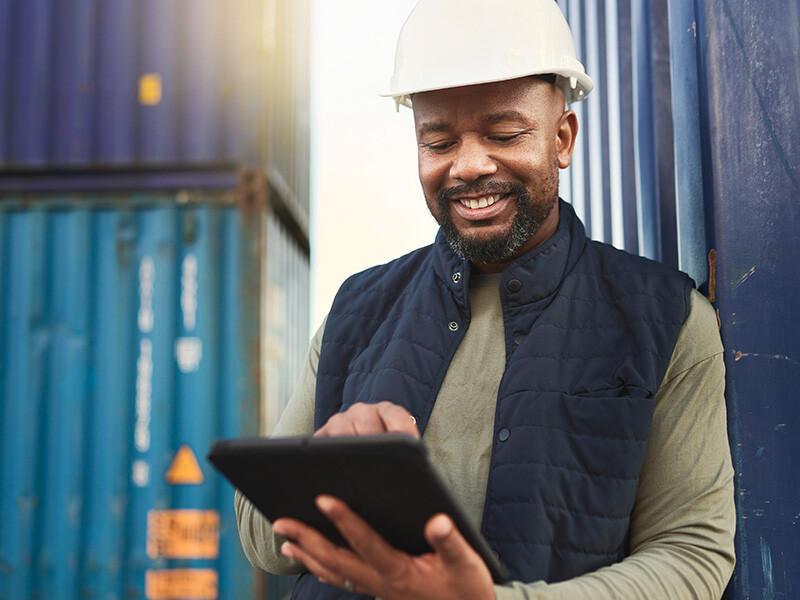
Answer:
(286, 550)
(444, 525)
(325, 503)
(278, 528)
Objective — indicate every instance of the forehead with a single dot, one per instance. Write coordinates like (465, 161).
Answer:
(526, 99)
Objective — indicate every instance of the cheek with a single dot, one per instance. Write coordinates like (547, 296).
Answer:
(430, 174)
(429, 178)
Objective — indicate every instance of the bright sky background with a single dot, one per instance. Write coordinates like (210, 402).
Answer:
(366, 201)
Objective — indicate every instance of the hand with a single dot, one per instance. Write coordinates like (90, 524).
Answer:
(373, 567)
(370, 419)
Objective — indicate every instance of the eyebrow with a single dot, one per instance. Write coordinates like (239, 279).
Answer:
(432, 127)
(508, 115)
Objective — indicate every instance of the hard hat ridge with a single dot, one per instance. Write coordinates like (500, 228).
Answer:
(453, 43)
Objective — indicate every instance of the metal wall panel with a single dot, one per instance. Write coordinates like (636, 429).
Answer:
(287, 309)
(621, 181)
(750, 89)
(714, 150)
(94, 84)
(126, 331)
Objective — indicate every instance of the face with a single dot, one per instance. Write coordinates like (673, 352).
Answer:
(489, 156)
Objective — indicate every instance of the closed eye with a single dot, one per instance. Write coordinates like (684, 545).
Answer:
(437, 146)
(506, 137)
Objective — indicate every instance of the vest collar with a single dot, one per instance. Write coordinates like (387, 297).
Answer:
(539, 272)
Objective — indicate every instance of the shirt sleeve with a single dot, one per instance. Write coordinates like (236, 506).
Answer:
(261, 546)
(683, 521)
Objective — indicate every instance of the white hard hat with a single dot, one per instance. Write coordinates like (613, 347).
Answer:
(452, 43)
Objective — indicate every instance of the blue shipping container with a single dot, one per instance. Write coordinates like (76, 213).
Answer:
(691, 155)
(93, 84)
(130, 329)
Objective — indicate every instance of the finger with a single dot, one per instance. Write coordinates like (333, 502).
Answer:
(370, 419)
(367, 544)
(319, 555)
(448, 543)
(338, 424)
(397, 419)
(321, 571)
(296, 553)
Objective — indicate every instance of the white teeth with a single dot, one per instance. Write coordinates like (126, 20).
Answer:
(481, 202)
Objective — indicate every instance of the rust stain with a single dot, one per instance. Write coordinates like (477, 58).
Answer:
(739, 355)
(719, 321)
(712, 276)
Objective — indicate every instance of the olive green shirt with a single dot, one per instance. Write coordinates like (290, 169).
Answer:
(683, 520)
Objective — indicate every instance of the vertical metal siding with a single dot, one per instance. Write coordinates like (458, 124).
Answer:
(5, 79)
(621, 178)
(285, 28)
(708, 131)
(751, 87)
(70, 73)
(101, 298)
(160, 34)
(286, 322)
(115, 94)
(573, 183)
(73, 65)
(690, 163)
(30, 68)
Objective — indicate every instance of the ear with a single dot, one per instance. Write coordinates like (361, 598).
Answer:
(566, 134)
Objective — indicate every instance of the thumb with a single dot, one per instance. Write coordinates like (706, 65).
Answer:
(446, 540)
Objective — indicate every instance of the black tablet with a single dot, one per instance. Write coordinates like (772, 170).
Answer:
(387, 479)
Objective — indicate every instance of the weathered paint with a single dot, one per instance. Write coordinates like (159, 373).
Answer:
(751, 88)
(124, 335)
(716, 160)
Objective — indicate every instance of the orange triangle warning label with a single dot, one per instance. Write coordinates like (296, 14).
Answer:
(184, 468)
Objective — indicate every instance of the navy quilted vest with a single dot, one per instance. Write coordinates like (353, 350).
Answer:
(589, 334)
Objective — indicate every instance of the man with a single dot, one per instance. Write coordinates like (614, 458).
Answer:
(571, 394)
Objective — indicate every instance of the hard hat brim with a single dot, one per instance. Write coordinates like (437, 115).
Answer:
(575, 83)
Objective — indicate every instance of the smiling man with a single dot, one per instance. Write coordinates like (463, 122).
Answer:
(488, 162)
(570, 393)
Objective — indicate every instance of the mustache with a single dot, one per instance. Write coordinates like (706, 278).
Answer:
(481, 189)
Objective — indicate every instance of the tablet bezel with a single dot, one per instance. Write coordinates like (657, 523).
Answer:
(387, 479)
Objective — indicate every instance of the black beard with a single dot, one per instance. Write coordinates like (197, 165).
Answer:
(528, 219)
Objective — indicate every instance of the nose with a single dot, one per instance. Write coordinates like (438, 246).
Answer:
(471, 161)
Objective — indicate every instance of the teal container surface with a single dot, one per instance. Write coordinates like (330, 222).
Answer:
(130, 328)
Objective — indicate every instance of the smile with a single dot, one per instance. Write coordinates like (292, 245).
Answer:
(482, 202)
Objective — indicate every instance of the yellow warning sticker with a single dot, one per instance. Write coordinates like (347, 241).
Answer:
(180, 584)
(183, 533)
(184, 468)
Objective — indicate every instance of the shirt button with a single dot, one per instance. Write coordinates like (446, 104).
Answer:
(503, 434)
(514, 286)
(453, 326)
(456, 277)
